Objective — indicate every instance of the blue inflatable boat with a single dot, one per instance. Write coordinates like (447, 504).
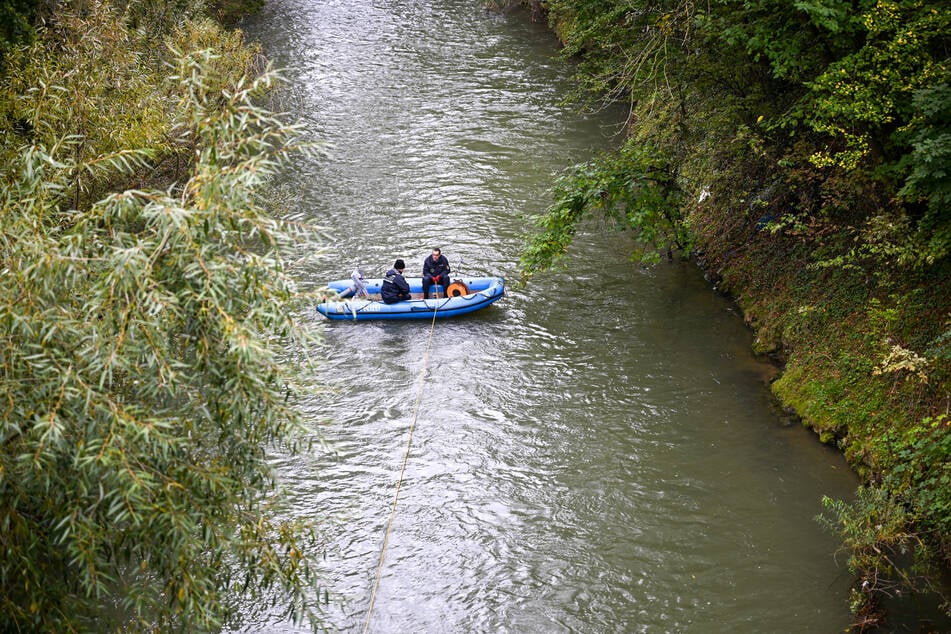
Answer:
(462, 296)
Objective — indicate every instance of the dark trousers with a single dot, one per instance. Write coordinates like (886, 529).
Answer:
(428, 282)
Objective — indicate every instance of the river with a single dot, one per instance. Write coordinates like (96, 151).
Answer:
(597, 452)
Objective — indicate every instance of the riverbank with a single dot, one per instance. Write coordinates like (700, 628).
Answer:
(862, 367)
(812, 188)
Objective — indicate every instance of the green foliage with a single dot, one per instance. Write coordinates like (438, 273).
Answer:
(875, 532)
(229, 12)
(633, 189)
(929, 170)
(794, 39)
(16, 23)
(930, 162)
(922, 470)
(940, 347)
(90, 93)
(107, 90)
(149, 350)
(628, 48)
(804, 145)
(857, 101)
(847, 97)
(863, 96)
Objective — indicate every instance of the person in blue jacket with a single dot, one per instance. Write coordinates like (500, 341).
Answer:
(394, 288)
(435, 271)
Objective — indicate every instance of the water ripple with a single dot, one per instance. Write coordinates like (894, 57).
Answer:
(593, 453)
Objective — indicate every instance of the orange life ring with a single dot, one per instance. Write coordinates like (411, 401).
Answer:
(456, 289)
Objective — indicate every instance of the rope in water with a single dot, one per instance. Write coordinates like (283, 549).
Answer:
(399, 482)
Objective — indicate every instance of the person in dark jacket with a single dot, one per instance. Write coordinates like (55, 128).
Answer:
(394, 288)
(435, 271)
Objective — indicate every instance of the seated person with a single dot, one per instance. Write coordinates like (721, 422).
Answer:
(394, 288)
(359, 286)
(435, 271)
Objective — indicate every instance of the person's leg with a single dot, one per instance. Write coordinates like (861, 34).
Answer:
(427, 282)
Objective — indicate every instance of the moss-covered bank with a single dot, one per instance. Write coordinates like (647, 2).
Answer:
(802, 154)
(865, 368)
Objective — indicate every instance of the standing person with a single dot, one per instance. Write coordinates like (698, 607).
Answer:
(394, 288)
(435, 271)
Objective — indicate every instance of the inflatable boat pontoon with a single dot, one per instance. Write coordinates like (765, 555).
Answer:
(463, 295)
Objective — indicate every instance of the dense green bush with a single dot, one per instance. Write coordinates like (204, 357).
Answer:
(16, 23)
(149, 352)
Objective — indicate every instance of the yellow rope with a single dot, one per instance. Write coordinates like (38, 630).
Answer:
(399, 482)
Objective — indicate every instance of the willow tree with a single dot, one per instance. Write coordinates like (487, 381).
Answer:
(149, 357)
(632, 189)
(639, 52)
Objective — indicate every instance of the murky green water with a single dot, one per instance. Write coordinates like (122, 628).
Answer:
(595, 453)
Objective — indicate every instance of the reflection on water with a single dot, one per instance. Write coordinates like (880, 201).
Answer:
(597, 452)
